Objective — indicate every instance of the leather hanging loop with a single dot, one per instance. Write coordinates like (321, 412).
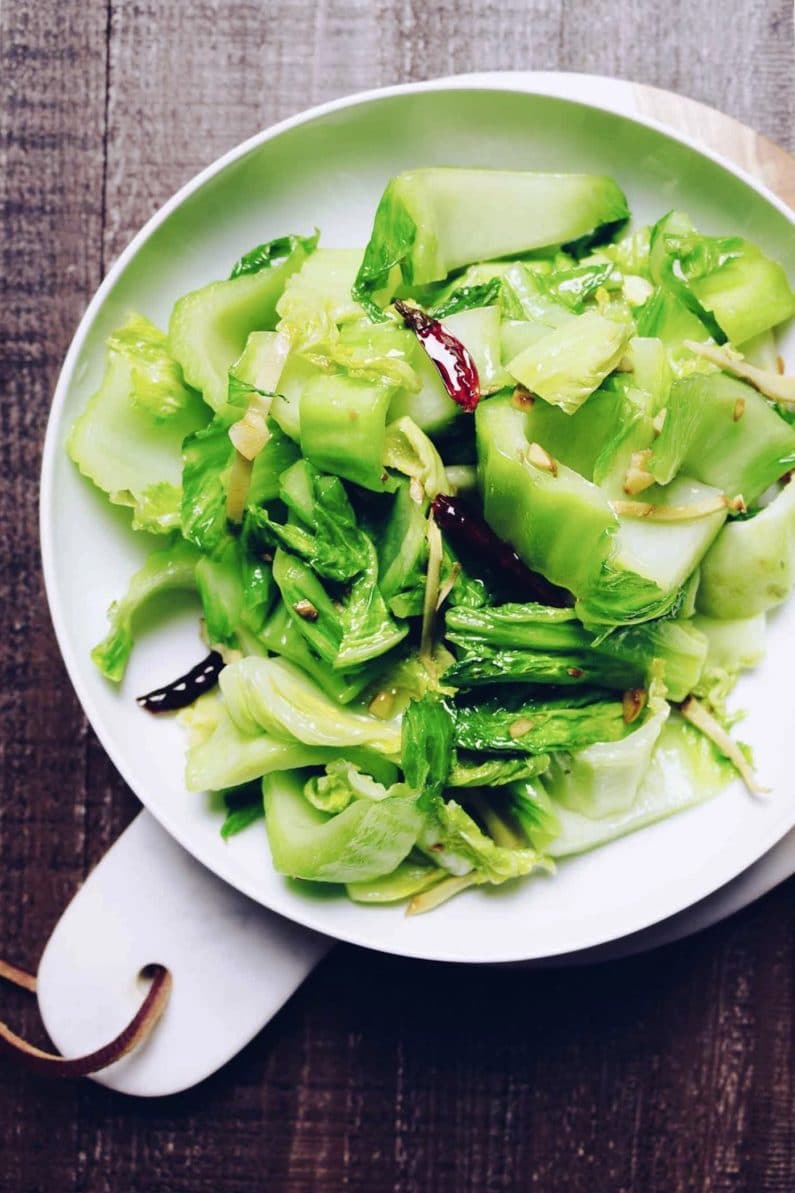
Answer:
(134, 1034)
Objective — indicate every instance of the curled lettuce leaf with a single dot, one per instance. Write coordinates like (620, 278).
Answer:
(157, 382)
(166, 570)
(236, 590)
(408, 449)
(631, 254)
(222, 755)
(427, 737)
(733, 646)
(317, 297)
(368, 629)
(281, 635)
(264, 255)
(537, 726)
(454, 841)
(128, 438)
(535, 814)
(540, 667)
(365, 841)
(567, 365)
(406, 880)
(334, 546)
(348, 633)
(733, 288)
(403, 546)
(209, 327)
(751, 566)
(536, 643)
(344, 782)
(479, 771)
(603, 779)
(723, 433)
(466, 298)
(207, 458)
(684, 770)
(276, 697)
(576, 285)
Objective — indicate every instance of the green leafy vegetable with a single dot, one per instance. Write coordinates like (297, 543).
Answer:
(539, 726)
(751, 566)
(343, 428)
(335, 547)
(243, 808)
(407, 879)
(603, 778)
(729, 283)
(222, 755)
(430, 222)
(403, 546)
(408, 449)
(274, 696)
(515, 643)
(128, 438)
(567, 365)
(209, 327)
(723, 433)
(733, 646)
(275, 458)
(684, 770)
(301, 444)
(207, 460)
(156, 378)
(558, 522)
(317, 299)
(631, 254)
(281, 635)
(453, 839)
(220, 585)
(264, 255)
(365, 841)
(344, 782)
(537, 667)
(426, 745)
(467, 298)
(360, 627)
(573, 287)
(477, 771)
(535, 813)
(368, 628)
(666, 317)
(166, 570)
(312, 611)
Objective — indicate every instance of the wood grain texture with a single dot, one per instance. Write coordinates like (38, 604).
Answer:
(661, 1073)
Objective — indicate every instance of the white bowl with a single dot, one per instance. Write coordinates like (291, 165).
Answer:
(328, 167)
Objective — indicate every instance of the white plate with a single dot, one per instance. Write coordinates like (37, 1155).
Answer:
(328, 167)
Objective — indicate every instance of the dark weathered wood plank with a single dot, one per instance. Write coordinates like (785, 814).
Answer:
(661, 1073)
(52, 79)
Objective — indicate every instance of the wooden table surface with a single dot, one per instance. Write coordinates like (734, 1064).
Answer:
(666, 1072)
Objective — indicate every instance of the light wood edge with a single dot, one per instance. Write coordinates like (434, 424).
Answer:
(748, 149)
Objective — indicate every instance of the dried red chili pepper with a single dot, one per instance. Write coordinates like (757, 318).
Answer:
(469, 532)
(453, 361)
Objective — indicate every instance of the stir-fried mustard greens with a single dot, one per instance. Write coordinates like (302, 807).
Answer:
(484, 520)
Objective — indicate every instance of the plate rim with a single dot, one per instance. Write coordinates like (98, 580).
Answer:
(515, 82)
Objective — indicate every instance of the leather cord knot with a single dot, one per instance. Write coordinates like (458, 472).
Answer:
(134, 1034)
